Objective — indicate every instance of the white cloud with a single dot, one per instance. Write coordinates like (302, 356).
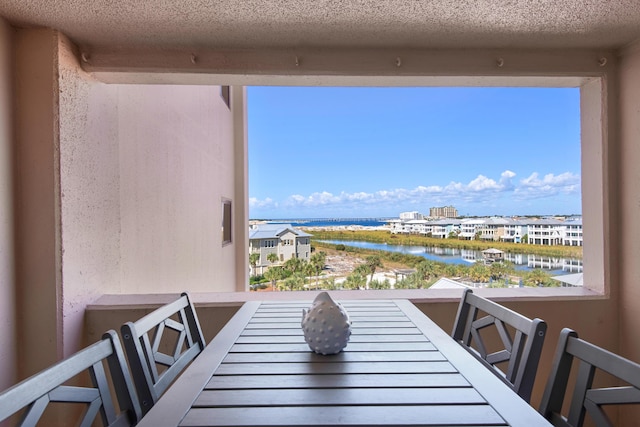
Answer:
(480, 190)
(266, 203)
(533, 187)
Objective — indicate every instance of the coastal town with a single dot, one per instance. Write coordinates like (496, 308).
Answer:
(275, 246)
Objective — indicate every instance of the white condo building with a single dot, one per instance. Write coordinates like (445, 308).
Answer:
(538, 231)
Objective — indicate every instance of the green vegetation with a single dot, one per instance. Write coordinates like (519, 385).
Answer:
(498, 274)
(253, 260)
(297, 274)
(381, 236)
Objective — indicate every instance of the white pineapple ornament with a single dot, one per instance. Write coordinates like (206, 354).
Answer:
(326, 325)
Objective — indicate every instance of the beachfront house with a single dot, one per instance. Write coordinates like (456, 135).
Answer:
(513, 231)
(397, 226)
(546, 232)
(418, 226)
(123, 127)
(573, 233)
(492, 228)
(469, 228)
(442, 228)
(280, 239)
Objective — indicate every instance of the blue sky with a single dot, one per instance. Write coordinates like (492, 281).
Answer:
(317, 152)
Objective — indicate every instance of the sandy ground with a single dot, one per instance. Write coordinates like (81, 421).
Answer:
(340, 265)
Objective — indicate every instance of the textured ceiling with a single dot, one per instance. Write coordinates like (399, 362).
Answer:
(346, 23)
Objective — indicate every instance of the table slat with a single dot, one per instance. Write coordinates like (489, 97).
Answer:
(432, 415)
(293, 339)
(357, 331)
(344, 396)
(336, 381)
(335, 368)
(342, 357)
(354, 346)
(296, 325)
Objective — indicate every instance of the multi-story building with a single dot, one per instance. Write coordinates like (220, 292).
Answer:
(408, 216)
(442, 228)
(444, 211)
(469, 228)
(546, 232)
(538, 232)
(398, 226)
(492, 228)
(514, 230)
(418, 226)
(280, 239)
(573, 233)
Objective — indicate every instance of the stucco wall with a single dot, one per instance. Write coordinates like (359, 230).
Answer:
(36, 206)
(630, 208)
(142, 173)
(119, 191)
(7, 279)
(89, 196)
(176, 165)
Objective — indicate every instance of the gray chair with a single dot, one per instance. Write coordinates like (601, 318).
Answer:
(29, 399)
(172, 328)
(521, 339)
(585, 399)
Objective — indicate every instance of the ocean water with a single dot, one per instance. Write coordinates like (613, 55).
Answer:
(332, 222)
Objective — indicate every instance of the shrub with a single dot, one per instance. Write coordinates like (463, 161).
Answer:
(257, 279)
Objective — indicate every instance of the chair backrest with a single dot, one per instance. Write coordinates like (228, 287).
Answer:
(521, 352)
(32, 396)
(586, 399)
(147, 343)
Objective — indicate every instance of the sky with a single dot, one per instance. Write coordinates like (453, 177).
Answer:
(353, 152)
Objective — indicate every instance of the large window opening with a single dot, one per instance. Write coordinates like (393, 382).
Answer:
(494, 173)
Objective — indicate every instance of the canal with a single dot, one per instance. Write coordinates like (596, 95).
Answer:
(555, 266)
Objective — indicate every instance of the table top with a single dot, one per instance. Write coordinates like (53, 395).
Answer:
(398, 369)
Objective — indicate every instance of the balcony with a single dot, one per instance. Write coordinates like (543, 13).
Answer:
(112, 186)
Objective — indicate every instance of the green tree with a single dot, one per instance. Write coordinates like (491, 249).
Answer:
(412, 281)
(272, 257)
(455, 270)
(316, 262)
(253, 260)
(295, 282)
(427, 270)
(377, 284)
(329, 283)
(538, 277)
(373, 262)
(479, 273)
(355, 280)
(294, 265)
(274, 274)
(500, 270)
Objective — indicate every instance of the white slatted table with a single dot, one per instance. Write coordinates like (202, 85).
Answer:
(399, 369)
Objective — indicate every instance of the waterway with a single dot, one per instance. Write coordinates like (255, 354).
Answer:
(332, 222)
(555, 266)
